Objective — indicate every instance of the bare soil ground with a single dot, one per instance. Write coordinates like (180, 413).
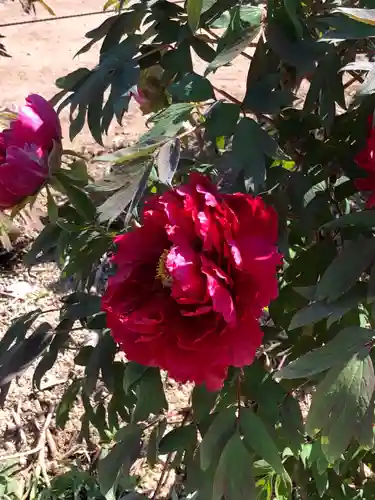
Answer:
(40, 53)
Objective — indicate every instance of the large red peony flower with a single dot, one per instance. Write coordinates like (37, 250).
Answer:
(24, 150)
(190, 284)
(366, 159)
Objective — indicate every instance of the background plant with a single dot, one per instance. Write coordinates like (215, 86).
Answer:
(293, 140)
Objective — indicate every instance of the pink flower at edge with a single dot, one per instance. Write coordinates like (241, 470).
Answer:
(24, 150)
(191, 283)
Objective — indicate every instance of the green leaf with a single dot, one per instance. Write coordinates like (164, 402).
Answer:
(243, 27)
(62, 332)
(222, 120)
(17, 331)
(340, 349)
(80, 305)
(194, 8)
(68, 82)
(179, 439)
(346, 268)
(168, 122)
(293, 7)
(250, 146)
(154, 442)
(265, 96)
(101, 358)
(117, 203)
(18, 358)
(167, 161)
(317, 311)
(119, 459)
(51, 207)
(233, 479)
(150, 396)
(203, 49)
(132, 375)
(66, 403)
(257, 438)
(191, 87)
(131, 153)
(364, 218)
(78, 197)
(341, 404)
(216, 437)
(94, 117)
(202, 402)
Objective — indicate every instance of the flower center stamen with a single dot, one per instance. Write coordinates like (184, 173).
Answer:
(161, 270)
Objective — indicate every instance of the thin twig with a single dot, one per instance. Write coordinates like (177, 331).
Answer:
(162, 475)
(227, 95)
(72, 451)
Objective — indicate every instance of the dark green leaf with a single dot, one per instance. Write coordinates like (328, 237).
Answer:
(203, 402)
(222, 120)
(179, 439)
(265, 95)
(80, 305)
(44, 242)
(317, 311)
(168, 159)
(293, 8)
(48, 360)
(191, 87)
(257, 438)
(341, 403)
(66, 403)
(133, 374)
(22, 355)
(94, 116)
(345, 270)
(17, 331)
(78, 198)
(233, 479)
(203, 49)
(216, 437)
(120, 458)
(51, 207)
(250, 146)
(101, 358)
(78, 121)
(178, 59)
(150, 396)
(154, 442)
(364, 218)
(69, 81)
(337, 351)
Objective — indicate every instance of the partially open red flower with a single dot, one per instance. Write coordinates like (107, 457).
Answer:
(24, 150)
(190, 284)
(366, 159)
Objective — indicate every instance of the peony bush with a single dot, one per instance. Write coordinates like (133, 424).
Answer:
(229, 252)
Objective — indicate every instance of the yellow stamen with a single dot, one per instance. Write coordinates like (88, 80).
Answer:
(161, 270)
